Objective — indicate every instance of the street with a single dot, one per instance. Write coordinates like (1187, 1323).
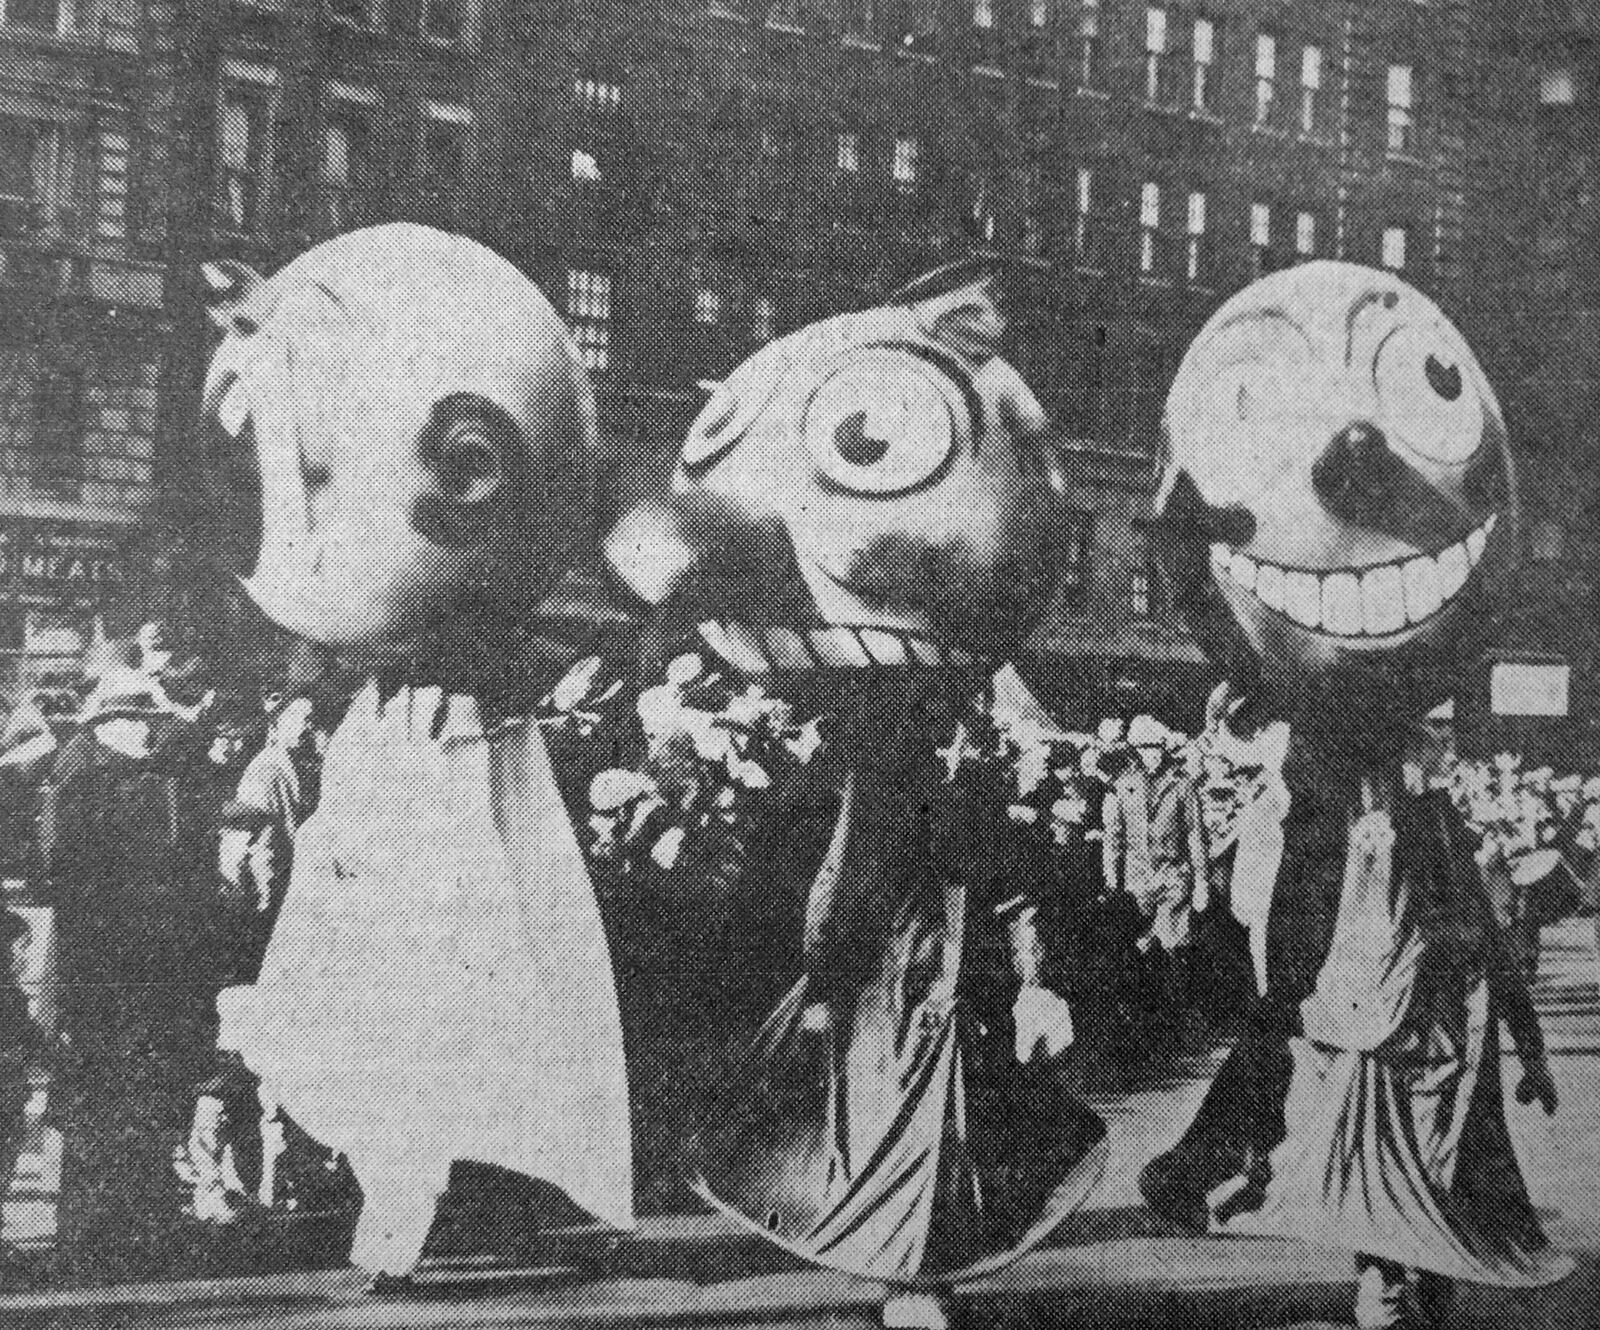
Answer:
(1113, 1265)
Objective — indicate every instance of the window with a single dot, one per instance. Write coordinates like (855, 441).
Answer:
(983, 13)
(1083, 211)
(761, 319)
(1311, 90)
(903, 165)
(585, 169)
(444, 143)
(1266, 78)
(1305, 236)
(1149, 227)
(1260, 239)
(848, 152)
(860, 17)
(707, 305)
(1546, 540)
(346, 164)
(60, 417)
(1556, 87)
(38, 15)
(1038, 14)
(443, 20)
(596, 95)
(589, 316)
(982, 211)
(1402, 125)
(1073, 568)
(19, 149)
(354, 13)
(242, 129)
(1091, 50)
(1142, 587)
(1205, 53)
(1194, 239)
(1155, 53)
(1393, 253)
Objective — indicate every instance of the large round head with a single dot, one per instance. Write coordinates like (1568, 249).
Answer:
(1337, 490)
(868, 492)
(422, 430)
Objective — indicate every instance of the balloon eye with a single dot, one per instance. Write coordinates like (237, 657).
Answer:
(855, 445)
(884, 423)
(1443, 379)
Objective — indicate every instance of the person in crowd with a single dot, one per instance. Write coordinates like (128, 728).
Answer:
(23, 1044)
(126, 817)
(1154, 849)
(255, 852)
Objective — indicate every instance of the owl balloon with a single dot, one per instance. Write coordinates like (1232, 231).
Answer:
(438, 986)
(864, 510)
(1338, 490)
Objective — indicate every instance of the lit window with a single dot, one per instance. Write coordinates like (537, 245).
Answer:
(903, 165)
(1142, 589)
(585, 169)
(1546, 540)
(1155, 53)
(1038, 13)
(19, 149)
(1149, 226)
(1083, 199)
(1195, 236)
(1073, 570)
(983, 13)
(982, 208)
(1205, 50)
(242, 135)
(1091, 51)
(1261, 238)
(761, 316)
(589, 315)
(1266, 78)
(1394, 248)
(1401, 110)
(1310, 90)
(1305, 235)
(346, 149)
(849, 153)
(597, 94)
(1557, 88)
(707, 306)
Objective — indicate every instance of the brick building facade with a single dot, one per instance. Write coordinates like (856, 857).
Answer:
(689, 179)
(82, 102)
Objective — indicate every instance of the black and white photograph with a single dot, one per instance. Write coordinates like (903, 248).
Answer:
(801, 665)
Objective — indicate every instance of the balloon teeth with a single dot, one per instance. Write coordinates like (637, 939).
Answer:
(1360, 602)
(786, 650)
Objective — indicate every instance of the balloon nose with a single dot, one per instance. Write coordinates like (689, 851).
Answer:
(1353, 470)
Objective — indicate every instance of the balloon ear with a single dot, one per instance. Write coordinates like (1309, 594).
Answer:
(472, 450)
(968, 320)
(233, 291)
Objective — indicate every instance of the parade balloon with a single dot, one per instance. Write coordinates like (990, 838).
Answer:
(870, 490)
(1338, 491)
(422, 431)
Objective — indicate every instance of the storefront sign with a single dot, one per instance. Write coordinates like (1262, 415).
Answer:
(56, 563)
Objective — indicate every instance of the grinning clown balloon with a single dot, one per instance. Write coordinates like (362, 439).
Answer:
(438, 986)
(1337, 490)
(865, 509)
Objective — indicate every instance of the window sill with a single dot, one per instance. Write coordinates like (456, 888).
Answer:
(1095, 94)
(1088, 270)
(788, 29)
(1409, 159)
(1269, 131)
(1051, 85)
(1315, 140)
(851, 42)
(1156, 283)
(1172, 109)
(1204, 117)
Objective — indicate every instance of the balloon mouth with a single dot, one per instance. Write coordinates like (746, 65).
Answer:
(754, 650)
(1375, 605)
(230, 533)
